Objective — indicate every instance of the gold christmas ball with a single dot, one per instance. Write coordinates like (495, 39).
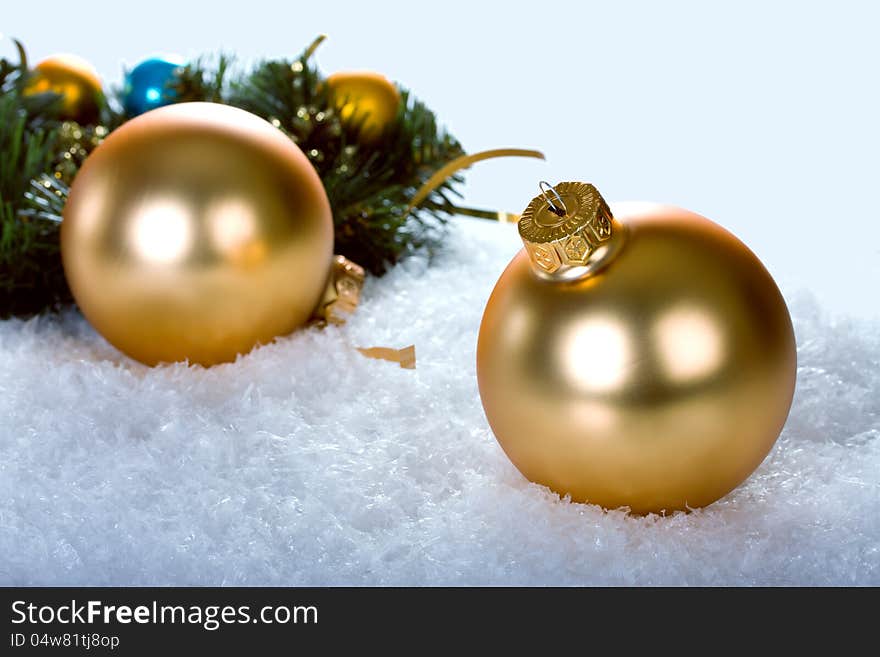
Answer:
(195, 232)
(75, 80)
(641, 359)
(368, 97)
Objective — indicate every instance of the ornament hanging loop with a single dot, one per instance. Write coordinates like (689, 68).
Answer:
(569, 232)
(559, 210)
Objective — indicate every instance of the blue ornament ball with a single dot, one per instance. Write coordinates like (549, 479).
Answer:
(148, 85)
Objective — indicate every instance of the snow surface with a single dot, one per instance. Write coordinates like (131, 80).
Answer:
(305, 463)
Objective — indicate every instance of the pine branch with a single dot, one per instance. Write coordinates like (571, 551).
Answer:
(199, 81)
(31, 276)
(369, 182)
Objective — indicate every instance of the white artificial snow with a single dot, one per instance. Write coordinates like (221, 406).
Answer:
(305, 463)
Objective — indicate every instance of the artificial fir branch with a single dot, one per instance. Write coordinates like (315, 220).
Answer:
(369, 183)
(199, 81)
(31, 277)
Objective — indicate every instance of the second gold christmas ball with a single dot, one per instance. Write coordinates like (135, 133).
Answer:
(196, 232)
(368, 97)
(634, 355)
(72, 78)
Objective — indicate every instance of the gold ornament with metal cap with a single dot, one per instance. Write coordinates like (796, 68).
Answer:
(634, 355)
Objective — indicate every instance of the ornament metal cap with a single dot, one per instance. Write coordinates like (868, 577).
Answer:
(569, 232)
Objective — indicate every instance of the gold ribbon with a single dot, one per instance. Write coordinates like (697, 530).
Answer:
(312, 48)
(347, 278)
(466, 161)
(405, 357)
(342, 296)
(494, 215)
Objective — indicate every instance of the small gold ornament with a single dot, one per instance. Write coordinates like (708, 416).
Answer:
(641, 359)
(195, 232)
(75, 80)
(368, 97)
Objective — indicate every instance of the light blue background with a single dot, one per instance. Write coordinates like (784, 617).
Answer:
(761, 115)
